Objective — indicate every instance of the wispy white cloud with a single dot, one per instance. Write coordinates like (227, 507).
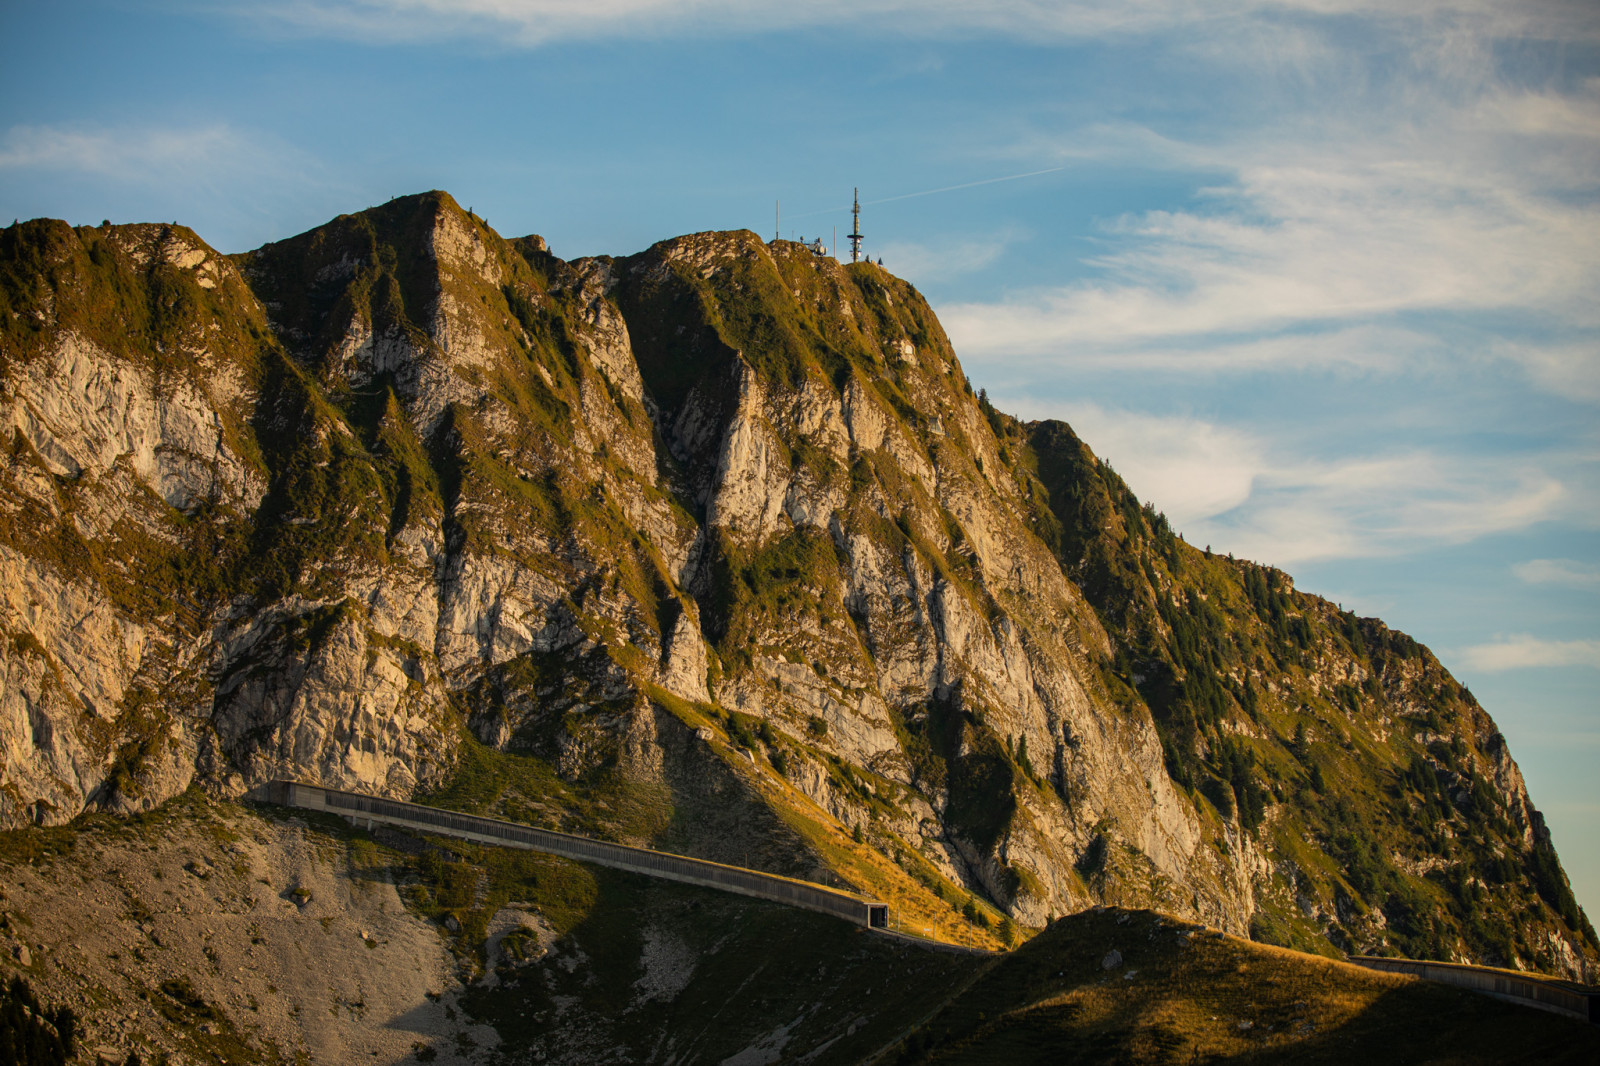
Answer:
(1378, 230)
(1385, 504)
(535, 22)
(1190, 468)
(237, 185)
(922, 262)
(1365, 348)
(150, 154)
(1558, 572)
(1348, 233)
(1523, 652)
(114, 151)
(1570, 368)
(1245, 493)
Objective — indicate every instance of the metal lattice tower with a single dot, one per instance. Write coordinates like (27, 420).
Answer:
(855, 229)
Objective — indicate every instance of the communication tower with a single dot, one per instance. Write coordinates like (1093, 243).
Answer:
(855, 229)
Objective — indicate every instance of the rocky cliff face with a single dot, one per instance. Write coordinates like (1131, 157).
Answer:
(723, 524)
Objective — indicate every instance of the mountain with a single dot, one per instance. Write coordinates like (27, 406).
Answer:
(712, 547)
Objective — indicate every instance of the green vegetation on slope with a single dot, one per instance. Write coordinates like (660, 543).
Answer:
(525, 788)
(1343, 745)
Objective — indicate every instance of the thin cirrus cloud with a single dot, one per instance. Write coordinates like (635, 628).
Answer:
(1569, 572)
(1248, 495)
(214, 158)
(1386, 504)
(146, 153)
(530, 23)
(1447, 222)
(924, 263)
(240, 184)
(1322, 245)
(1359, 349)
(1357, 233)
(1446, 191)
(1570, 369)
(1522, 652)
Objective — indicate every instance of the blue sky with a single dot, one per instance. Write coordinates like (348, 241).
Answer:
(1321, 278)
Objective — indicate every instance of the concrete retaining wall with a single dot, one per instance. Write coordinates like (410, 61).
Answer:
(1531, 990)
(661, 864)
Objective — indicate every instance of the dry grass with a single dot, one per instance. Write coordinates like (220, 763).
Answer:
(1179, 994)
(913, 907)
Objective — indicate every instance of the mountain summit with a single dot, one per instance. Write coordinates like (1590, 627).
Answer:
(712, 547)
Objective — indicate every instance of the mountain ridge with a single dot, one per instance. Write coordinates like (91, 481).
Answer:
(712, 544)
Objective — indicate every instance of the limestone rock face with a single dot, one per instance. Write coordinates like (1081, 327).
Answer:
(349, 711)
(722, 521)
(85, 411)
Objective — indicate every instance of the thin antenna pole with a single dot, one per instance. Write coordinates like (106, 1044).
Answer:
(855, 228)
(836, 242)
(777, 220)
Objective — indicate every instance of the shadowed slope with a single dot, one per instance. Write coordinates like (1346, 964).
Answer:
(1137, 987)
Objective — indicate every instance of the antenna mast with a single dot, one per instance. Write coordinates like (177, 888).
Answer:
(777, 220)
(855, 228)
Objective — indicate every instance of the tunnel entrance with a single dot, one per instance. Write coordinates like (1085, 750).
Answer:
(878, 915)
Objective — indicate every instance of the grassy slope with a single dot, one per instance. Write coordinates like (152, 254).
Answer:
(638, 969)
(1179, 995)
(1342, 745)
(921, 902)
(609, 805)
(755, 969)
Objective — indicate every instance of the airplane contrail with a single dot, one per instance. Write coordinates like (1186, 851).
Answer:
(964, 185)
(931, 192)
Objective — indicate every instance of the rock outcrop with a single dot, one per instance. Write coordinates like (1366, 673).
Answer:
(361, 503)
